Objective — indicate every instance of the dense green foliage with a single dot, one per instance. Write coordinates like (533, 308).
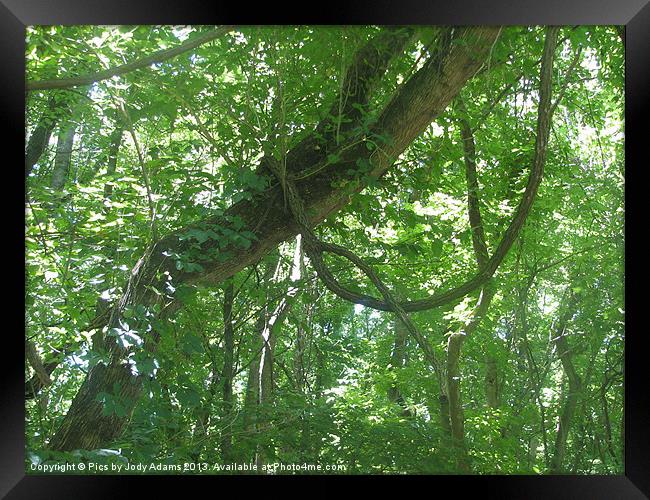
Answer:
(190, 133)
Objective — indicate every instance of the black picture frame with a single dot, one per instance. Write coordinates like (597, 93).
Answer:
(15, 15)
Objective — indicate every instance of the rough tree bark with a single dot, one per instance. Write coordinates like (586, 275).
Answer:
(64, 145)
(410, 111)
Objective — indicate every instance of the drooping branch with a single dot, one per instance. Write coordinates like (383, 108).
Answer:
(156, 57)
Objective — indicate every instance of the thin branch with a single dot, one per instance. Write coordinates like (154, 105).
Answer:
(156, 57)
(572, 66)
(145, 175)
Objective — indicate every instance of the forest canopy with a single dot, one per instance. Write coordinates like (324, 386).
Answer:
(362, 249)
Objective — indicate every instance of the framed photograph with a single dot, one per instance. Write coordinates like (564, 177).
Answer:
(390, 241)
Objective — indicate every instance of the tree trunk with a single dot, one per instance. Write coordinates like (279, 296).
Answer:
(565, 422)
(533, 442)
(40, 137)
(443, 416)
(456, 418)
(111, 163)
(227, 372)
(456, 340)
(572, 395)
(398, 359)
(583, 408)
(65, 142)
(86, 426)
(247, 446)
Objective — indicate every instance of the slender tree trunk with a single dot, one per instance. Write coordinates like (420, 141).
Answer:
(202, 419)
(397, 361)
(491, 383)
(40, 137)
(64, 145)
(265, 381)
(443, 415)
(533, 443)
(227, 371)
(251, 414)
(622, 437)
(454, 344)
(247, 447)
(302, 364)
(456, 418)
(300, 377)
(583, 409)
(607, 424)
(571, 396)
(111, 163)
(564, 425)
(223, 379)
(270, 334)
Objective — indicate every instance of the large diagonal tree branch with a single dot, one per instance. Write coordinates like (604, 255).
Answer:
(156, 57)
(367, 67)
(410, 111)
(86, 426)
